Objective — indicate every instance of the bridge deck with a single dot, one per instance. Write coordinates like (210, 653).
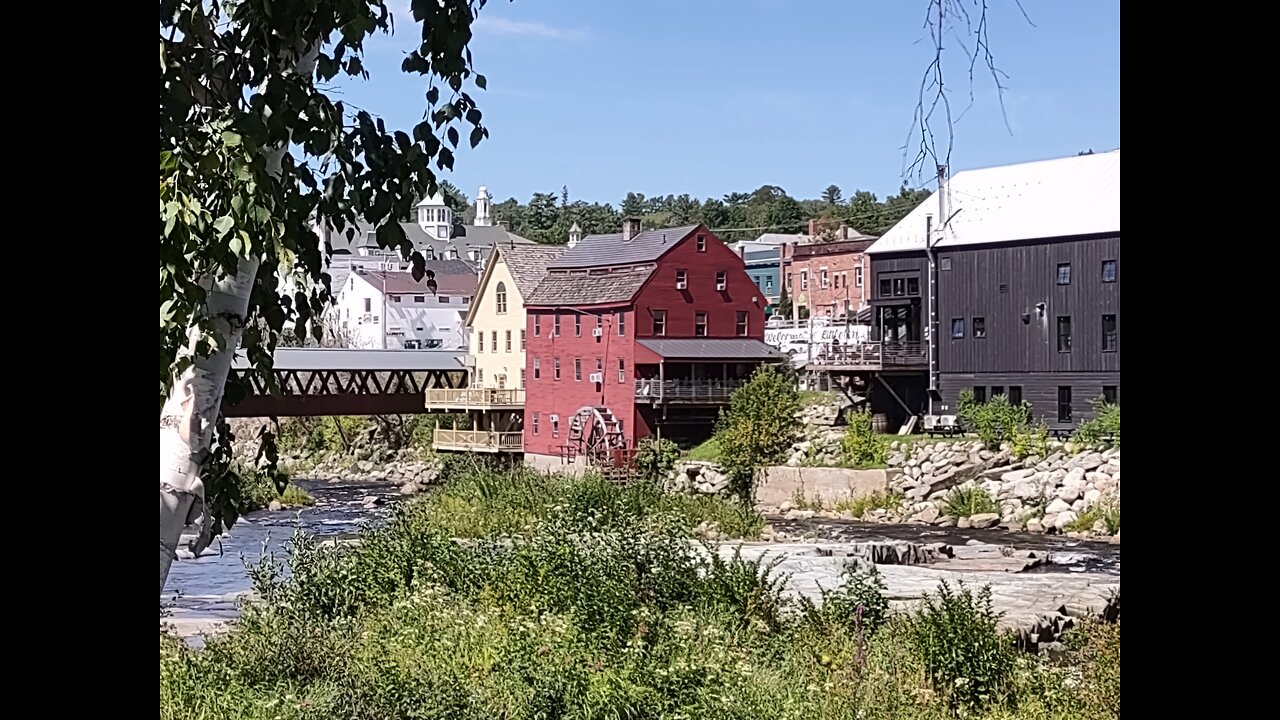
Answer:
(366, 360)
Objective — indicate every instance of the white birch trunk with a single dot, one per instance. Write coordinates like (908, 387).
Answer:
(191, 411)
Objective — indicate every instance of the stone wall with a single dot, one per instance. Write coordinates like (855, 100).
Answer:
(781, 484)
(1036, 494)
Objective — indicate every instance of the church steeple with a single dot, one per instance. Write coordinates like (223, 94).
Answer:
(484, 208)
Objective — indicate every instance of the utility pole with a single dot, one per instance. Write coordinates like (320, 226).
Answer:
(383, 317)
(930, 243)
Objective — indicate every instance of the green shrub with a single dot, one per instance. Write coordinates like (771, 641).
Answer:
(709, 450)
(862, 446)
(1107, 510)
(1027, 441)
(878, 500)
(995, 420)
(968, 501)
(1097, 645)
(956, 636)
(859, 605)
(759, 426)
(1102, 428)
(655, 458)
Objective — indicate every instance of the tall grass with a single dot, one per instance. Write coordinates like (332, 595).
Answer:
(579, 605)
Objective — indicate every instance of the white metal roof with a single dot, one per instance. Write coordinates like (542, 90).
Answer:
(1050, 198)
(344, 359)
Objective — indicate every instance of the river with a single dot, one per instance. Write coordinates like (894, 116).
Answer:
(203, 592)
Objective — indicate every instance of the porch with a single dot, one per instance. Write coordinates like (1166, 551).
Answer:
(477, 440)
(872, 356)
(696, 371)
(474, 399)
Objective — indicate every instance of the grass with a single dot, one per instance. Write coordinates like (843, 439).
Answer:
(878, 500)
(258, 490)
(708, 451)
(600, 611)
(966, 502)
(1107, 510)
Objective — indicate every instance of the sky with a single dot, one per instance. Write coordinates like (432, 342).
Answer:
(708, 97)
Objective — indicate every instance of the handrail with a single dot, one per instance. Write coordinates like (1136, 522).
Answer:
(475, 396)
(712, 390)
(481, 439)
(878, 353)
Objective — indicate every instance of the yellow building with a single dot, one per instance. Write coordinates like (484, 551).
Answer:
(495, 321)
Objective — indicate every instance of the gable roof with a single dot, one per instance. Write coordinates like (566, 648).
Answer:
(528, 264)
(1063, 197)
(605, 250)
(709, 349)
(402, 283)
(559, 289)
(461, 235)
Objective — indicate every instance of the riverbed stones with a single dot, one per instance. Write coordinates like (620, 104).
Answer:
(982, 521)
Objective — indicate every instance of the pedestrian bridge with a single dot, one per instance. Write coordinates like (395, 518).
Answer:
(318, 382)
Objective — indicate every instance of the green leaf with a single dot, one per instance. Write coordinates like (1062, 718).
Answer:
(230, 139)
(223, 225)
(481, 82)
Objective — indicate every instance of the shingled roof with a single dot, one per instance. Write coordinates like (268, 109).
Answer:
(528, 264)
(560, 289)
(605, 250)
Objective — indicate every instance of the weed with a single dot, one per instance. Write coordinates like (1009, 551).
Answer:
(967, 501)
(878, 500)
(956, 636)
(1107, 510)
(861, 445)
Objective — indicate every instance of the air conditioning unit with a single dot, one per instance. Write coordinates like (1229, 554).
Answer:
(720, 287)
(596, 377)
(597, 332)
(682, 286)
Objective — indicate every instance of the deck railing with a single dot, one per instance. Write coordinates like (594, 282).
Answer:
(474, 397)
(478, 440)
(874, 354)
(687, 390)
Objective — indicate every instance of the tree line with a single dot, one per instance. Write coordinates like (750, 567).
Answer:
(547, 217)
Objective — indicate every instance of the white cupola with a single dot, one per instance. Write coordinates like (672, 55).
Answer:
(484, 208)
(435, 217)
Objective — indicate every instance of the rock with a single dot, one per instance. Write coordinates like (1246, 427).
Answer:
(896, 458)
(1017, 475)
(962, 523)
(1057, 506)
(274, 506)
(1099, 527)
(984, 520)
(1025, 490)
(1115, 539)
(409, 488)
(1088, 461)
(786, 506)
(1091, 497)
(1064, 519)
(928, 514)
(1034, 526)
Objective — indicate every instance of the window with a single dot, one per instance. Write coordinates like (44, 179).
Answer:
(600, 365)
(1108, 271)
(1064, 333)
(555, 370)
(791, 281)
(555, 325)
(443, 299)
(825, 282)
(419, 298)
(521, 377)
(682, 277)
(857, 277)
(768, 284)
(555, 426)
(368, 305)
(886, 287)
(659, 322)
(1110, 394)
(600, 324)
(535, 423)
(442, 231)
(537, 326)
(522, 341)
(622, 370)
(1064, 403)
(997, 390)
(480, 377)
(577, 369)
(1015, 394)
(480, 341)
(804, 279)
(501, 298)
(537, 368)
(742, 323)
(944, 263)
(1064, 273)
(622, 324)
(721, 278)
(577, 325)
(979, 328)
(493, 340)
(899, 287)
(957, 328)
(979, 394)
(465, 300)
(913, 287)
(508, 339)
(700, 324)
(702, 243)
(1110, 334)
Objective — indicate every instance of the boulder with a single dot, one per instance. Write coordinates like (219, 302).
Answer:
(1057, 506)
(1064, 519)
(1017, 475)
(1034, 526)
(963, 523)
(928, 514)
(984, 520)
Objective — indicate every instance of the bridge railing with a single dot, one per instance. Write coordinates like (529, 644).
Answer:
(478, 440)
(474, 397)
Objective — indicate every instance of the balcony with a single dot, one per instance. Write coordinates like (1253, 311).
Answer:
(477, 441)
(474, 399)
(692, 392)
(875, 355)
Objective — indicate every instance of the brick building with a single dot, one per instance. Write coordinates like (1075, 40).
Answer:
(828, 279)
(636, 334)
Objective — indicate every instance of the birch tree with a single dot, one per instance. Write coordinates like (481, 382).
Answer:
(253, 155)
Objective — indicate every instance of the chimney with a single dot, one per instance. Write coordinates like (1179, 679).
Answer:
(742, 251)
(630, 228)
(575, 234)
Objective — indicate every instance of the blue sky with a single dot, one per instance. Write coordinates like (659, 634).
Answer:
(713, 96)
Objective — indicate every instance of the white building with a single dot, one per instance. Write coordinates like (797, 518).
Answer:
(388, 309)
